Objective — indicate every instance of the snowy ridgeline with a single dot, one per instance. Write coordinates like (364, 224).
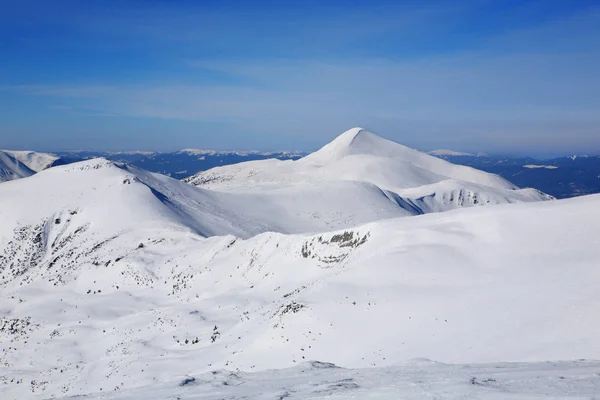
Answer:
(119, 282)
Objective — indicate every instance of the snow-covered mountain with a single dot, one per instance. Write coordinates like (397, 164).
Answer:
(427, 183)
(11, 168)
(123, 279)
(34, 160)
(127, 198)
(117, 282)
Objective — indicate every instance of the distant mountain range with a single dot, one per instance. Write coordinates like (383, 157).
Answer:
(179, 164)
(561, 177)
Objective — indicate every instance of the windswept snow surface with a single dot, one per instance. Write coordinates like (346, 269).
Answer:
(428, 183)
(11, 168)
(34, 160)
(119, 282)
(418, 379)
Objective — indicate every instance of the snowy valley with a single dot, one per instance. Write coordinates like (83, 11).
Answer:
(364, 269)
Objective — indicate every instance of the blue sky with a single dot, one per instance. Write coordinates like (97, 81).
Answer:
(499, 76)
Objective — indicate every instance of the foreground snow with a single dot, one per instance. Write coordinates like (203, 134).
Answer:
(87, 308)
(419, 379)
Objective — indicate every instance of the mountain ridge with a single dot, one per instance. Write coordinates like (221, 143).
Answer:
(359, 155)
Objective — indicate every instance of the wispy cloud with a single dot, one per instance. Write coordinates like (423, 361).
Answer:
(512, 87)
(463, 89)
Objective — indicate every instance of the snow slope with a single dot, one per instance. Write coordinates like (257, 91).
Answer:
(418, 379)
(361, 156)
(122, 281)
(125, 198)
(11, 168)
(34, 160)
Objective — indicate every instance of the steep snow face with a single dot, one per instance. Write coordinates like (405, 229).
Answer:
(90, 308)
(34, 160)
(358, 155)
(11, 168)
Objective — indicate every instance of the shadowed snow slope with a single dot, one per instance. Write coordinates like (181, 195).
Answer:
(11, 168)
(108, 284)
(429, 183)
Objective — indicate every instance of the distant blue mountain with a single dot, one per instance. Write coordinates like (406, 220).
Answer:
(180, 164)
(560, 177)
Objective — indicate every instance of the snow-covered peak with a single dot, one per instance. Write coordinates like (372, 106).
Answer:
(356, 141)
(358, 155)
(362, 155)
(85, 165)
(418, 180)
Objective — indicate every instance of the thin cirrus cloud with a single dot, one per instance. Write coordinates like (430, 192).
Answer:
(464, 94)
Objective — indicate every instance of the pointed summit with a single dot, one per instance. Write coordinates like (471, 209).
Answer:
(356, 141)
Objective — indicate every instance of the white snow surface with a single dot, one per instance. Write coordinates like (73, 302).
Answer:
(418, 379)
(119, 282)
(11, 168)
(34, 160)
(428, 183)
(123, 197)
